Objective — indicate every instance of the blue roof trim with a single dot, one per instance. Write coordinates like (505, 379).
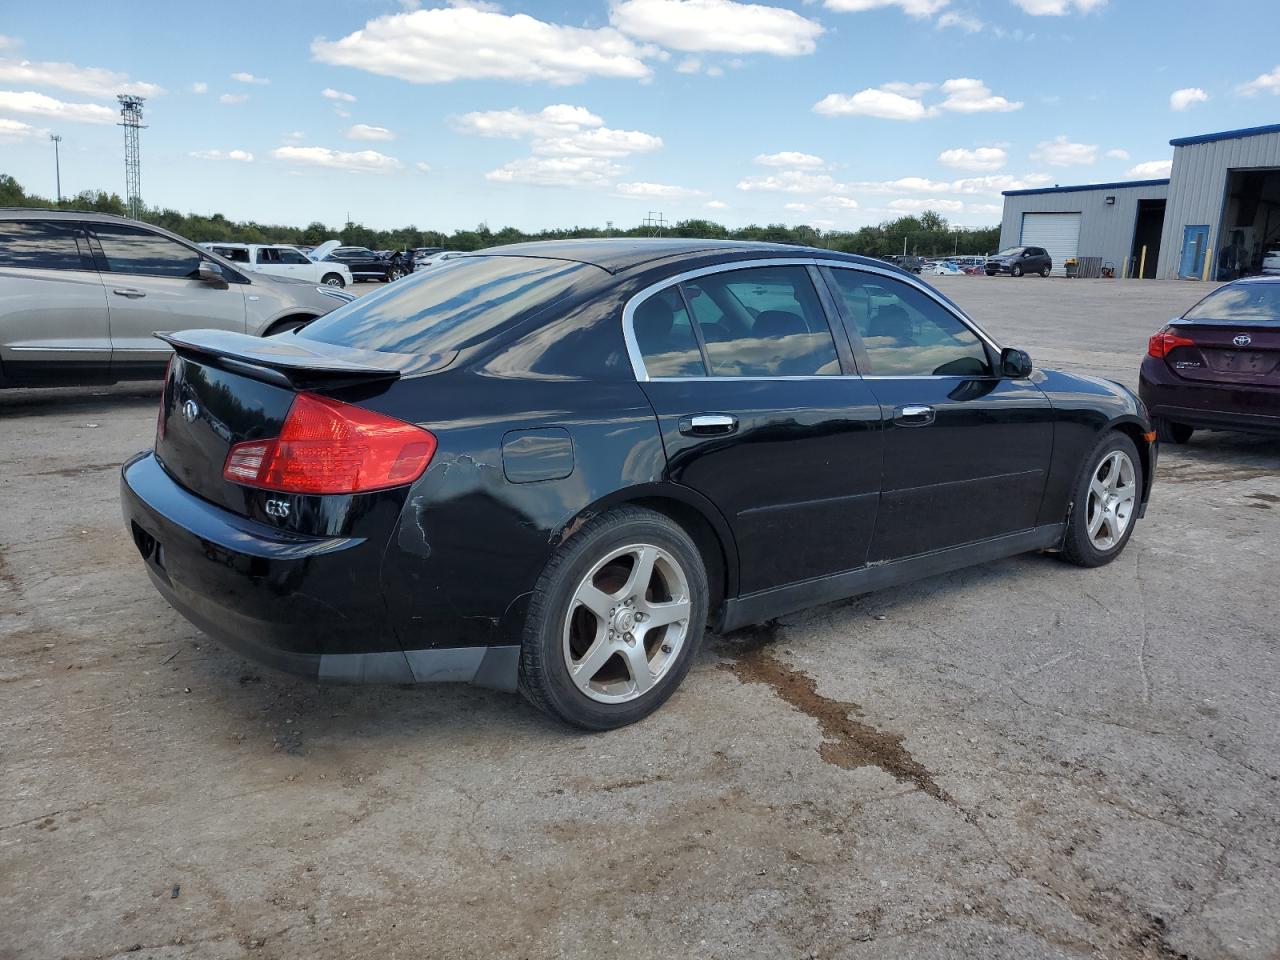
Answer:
(1226, 135)
(1119, 185)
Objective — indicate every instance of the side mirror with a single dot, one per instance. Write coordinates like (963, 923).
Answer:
(1014, 364)
(211, 273)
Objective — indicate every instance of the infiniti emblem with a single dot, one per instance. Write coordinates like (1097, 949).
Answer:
(190, 411)
(1243, 340)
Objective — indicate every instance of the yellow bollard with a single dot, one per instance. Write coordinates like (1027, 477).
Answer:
(1208, 258)
(1142, 264)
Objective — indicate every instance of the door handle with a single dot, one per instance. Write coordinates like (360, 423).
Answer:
(131, 292)
(708, 425)
(914, 415)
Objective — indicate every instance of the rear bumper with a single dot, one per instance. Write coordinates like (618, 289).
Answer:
(310, 606)
(1213, 406)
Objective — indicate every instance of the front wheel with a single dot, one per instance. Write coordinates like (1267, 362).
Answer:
(333, 280)
(1105, 506)
(1044, 271)
(1016, 271)
(1169, 432)
(615, 620)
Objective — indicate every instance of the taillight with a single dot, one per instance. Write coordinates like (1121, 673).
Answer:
(326, 446)
(1161, 343)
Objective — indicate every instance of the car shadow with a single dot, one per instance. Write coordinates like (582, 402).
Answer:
(25, 401)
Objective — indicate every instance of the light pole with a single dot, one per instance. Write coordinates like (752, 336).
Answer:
(57, 163)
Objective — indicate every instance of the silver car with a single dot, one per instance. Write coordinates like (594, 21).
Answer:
(82, 293)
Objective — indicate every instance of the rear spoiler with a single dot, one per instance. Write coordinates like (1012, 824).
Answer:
(294, 362)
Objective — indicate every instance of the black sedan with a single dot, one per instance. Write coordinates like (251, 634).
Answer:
(550, 466)
(365, 264)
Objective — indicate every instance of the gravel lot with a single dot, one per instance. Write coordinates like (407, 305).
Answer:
(1019, 760)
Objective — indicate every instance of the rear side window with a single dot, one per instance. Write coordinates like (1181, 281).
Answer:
(665, 336)
(131, 250)
(458, 304)
(1252, 301)
(234, 254)
(41, 245)
(905, 332)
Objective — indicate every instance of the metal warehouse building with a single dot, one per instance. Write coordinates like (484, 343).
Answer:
(1216, 216)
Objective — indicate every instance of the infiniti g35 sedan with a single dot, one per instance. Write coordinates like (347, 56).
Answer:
(550, 466)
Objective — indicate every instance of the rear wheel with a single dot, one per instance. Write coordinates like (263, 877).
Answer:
(333, 280)
(1016, 271)
(287, 325)
(1169, 432)
(615, 620)
(1105, 506)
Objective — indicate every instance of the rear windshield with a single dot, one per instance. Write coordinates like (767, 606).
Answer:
(1239, 301)
(457, 304)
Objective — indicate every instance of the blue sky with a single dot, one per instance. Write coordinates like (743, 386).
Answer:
(835, 113)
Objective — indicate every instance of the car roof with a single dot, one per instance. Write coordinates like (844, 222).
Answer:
(45, 213)
(618, 254)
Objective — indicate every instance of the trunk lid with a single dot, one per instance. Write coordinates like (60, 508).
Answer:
(225, 388)
(1245, 354)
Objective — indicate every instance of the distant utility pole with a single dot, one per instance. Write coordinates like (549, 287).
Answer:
(57, 163)
(655, 223)
(608, 228)
(131, 120)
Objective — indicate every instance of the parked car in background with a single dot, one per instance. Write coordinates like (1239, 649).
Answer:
(908, 263)
(82, 293)
(1017, 261)
(436, 258)
(282, 260)
(1218, 365)
(945, 268)
(528, 468)
(363, 263)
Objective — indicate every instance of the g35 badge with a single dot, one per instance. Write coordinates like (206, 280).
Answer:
(278, 509)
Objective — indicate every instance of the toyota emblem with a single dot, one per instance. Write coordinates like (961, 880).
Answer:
(1243, 340)
(190, 411)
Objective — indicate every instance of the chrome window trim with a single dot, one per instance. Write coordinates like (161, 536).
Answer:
(637, 360)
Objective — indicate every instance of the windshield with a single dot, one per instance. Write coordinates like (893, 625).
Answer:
(1239, 302)
(455, 305)
(1010, 252)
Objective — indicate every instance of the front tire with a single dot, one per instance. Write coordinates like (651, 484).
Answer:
(333, 280)
(1169, 432)
(615, 620)
(1044, 272)
(1016, 271)
(1105, 506)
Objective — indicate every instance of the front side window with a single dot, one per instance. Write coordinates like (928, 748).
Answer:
(666, 338)
(132, 250)
(291, 257)
(41, 244)
(267, 255)
(905, 332)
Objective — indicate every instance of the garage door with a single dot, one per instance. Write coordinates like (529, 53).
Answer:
(1059, 233)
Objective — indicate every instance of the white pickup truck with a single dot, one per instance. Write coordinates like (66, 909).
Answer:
(283, 261)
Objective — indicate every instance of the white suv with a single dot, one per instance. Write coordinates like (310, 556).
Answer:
(283, 261)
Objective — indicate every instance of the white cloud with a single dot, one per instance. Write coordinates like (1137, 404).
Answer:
(9, 43)
(244, 156)
(979, 159)
(791, 159)
(331, 94)
(243, 77)
(1151, 169)
(1184, 98)
(919, 206)
(1263, 83)
(840, 203)
(961, 21)
(655, 191)
(791, 181)
(1058, 8)
(363, 131)
(601, 142)
(442, 45)
(871, 103)
(231, 98)
(689, 65)
(199, 87)
(555, 120)
(905, 101)
(716, 205)
(294, 136)
(359, 161)
(991, 185)
(422, 166)
(37, 104)
(723, 26)
(11, 131)
(92, 81)
(556, 172)
(965, 95)
(1117, 154)
(914, 8)
(1061, 152)
(715, 71)
(797, 207)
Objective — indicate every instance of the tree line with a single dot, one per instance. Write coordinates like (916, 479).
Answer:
(928, 234)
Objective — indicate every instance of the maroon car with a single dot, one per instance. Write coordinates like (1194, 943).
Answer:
(1217, 366)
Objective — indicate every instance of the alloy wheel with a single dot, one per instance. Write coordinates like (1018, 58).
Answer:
(1113, 491)
(627, 622)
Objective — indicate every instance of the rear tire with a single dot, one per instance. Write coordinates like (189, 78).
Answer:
(1107, 496)
(287, 325)
(333, 280)
(587, 657)
(1169, 432)
(1016, 271)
